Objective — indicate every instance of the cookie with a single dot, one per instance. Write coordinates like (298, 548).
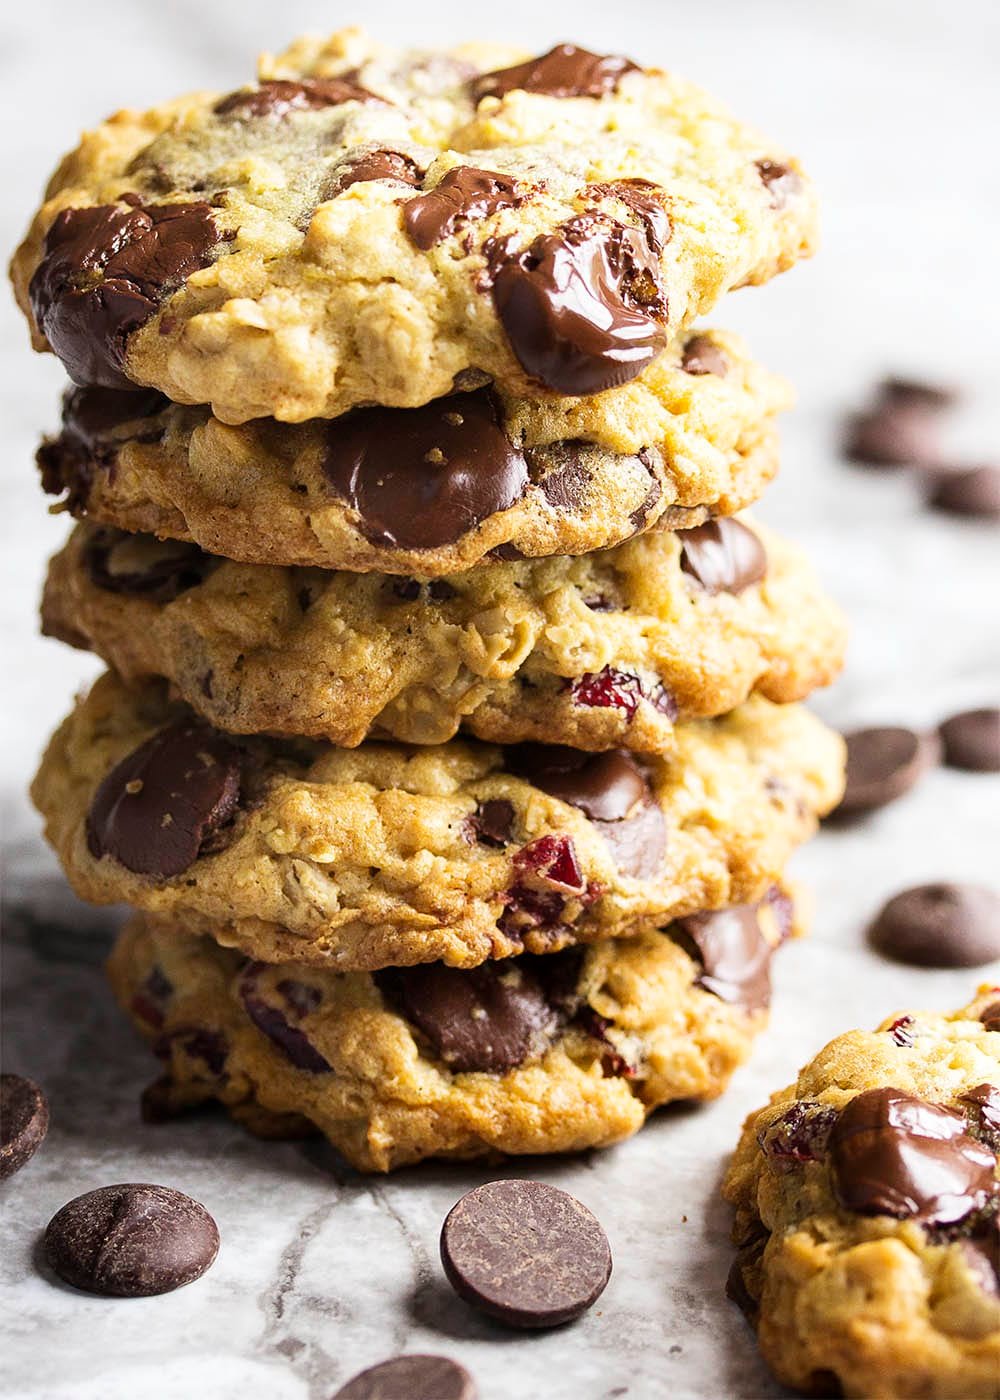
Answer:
(375, 226)
(867, 1200)
(532, 1054)
(605, 650)
(295, 850)
(433, 490)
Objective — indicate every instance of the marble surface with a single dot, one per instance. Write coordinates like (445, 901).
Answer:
(321, 1271)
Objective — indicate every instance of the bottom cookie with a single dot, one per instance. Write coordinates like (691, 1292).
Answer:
(867, 1206)
(534, 1054)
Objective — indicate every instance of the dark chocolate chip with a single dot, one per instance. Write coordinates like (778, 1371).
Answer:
(639, 517)
(423, 477)
(723, 556)
(378, 165)
(465, 194)
(273, 1022)
(24, 1121)
(493, 822)
(984, 1102)
(901, 428)
(487, 1019)
(525, 1253)
(940, 925)
(646, 201)
(971, 740)
(279, 97)
(883, 764)
(565, 485)
(104, 272)
(990, 1016)
(982, 1255)
(141, 566)
(415, 1377)
(131, 1241)
(734, 954)
(917, 393)
(565, 71)
(782, 183)
(157, 808)
(197, 1043)
(973, 491)
(703, 356)
(583, 308)
(893, 1154)
(95, 422)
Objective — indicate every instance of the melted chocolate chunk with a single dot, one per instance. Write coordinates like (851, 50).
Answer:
(703, 356)
(104, 272)
(583, 307)
(488, 1019)
(733, 952)
(565, 487)
(984, 1102)
(141, 566)
(893, 1154)
(94, 423)
(565, 71)
(723, 556)
(982, 1254)
(640, 516)
(278, 98)
(645, 200)
(160, 806)
(423, 477)
(379, 165)
(463, 195)
(493, 822)
(782, 183)
(273, 1022)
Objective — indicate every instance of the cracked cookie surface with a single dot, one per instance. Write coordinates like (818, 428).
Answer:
(533, 1054)
(461, 852)
(608, 649)
(867, 1199)
(434, 490)
(369, 226)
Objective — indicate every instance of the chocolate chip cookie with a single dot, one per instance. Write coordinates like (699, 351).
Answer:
(431, 490)
(530, 1054)
(364, 225)
(382, 854)
(608, 649)
(867, 1199)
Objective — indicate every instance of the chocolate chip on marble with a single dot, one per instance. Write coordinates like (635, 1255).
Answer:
(565, 71)
(971, 740)
(894, 1154)
(883, 764)
(131, 1241)
(416, 1377)
(582, 307)
(24, 1121)
(493, 822)
(464, 194)
(142, 566)
(486, 1019)
(525, 1253)
(159, 807)
(735, 956)
(378, 165)
(272, 1021)
(781, 181)
(939, 925)
(900, 428)
(723, 556)
(423, 477)
(281, 96)
(104, 272)
(970, 491)
(703, 356)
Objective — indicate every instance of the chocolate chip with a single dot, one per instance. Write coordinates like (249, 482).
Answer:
(982, 1255)
(565, 485)
(423, 477)
(734, 954)
(583, 307)
(141, 566)
(917, 393)
(378, 165)
(95, 422)
(487, 1019)
(197, 1043)
(639, 517)
(782, 183)
(131, 1241)
(984, 1101)
(723, 556)
(463, 195)
(940, 925)
(990, 1016)
(893, 1154)
(279, 97)
(24, 1121)
(157, 808)
(104, 272)
(273, 1022)
(971, 740)
(565, 71)
(525, 1253)
(884, 764)
(703, 356)
(415, 1377)
(493, 822)
(901, 428)
(973, 491)
(646, 201)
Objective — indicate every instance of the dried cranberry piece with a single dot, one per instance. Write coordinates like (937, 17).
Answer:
(609, 689)
(301, 998)
(900, 1031)
(276, 1026)
(552, 860)
(614, 1065)
(800, 1134)
(150, 1001)
(198, 1043)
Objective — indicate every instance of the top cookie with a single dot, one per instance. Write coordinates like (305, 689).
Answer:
(371, 226)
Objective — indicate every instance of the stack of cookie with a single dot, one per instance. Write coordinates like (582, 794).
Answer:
(447, 754)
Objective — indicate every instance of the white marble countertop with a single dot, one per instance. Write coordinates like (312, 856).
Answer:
(321, 1271)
